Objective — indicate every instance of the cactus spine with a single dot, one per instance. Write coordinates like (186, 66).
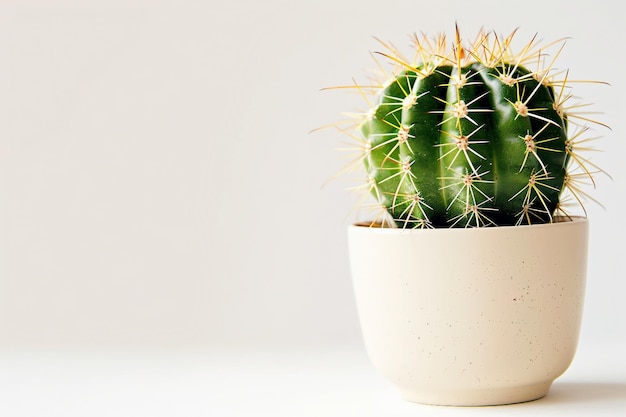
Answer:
(471, 136)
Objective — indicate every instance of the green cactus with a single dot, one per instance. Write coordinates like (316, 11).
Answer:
(471, 136)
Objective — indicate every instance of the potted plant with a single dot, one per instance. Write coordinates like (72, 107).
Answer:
(470, 280)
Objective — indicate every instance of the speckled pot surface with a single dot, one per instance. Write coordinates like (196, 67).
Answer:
(471, 316)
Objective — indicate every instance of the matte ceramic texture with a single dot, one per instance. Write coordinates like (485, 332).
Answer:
(471, 317)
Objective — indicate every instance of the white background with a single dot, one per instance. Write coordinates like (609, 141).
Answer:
(159, 187)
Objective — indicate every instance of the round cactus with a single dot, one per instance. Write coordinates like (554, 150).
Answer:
(471, 136)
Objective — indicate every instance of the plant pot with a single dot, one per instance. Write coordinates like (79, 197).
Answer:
(469, 317)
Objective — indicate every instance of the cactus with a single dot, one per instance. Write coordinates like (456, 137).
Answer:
(472, 136)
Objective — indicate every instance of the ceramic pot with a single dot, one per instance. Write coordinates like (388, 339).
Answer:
(469, 317)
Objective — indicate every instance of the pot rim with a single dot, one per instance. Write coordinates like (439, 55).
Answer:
(559, 221)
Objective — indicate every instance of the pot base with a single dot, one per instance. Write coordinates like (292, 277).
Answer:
(478, 397)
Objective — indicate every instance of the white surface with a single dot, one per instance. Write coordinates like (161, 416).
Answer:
(238, 382)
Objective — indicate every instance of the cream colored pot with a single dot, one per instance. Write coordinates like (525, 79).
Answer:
(471, 316)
